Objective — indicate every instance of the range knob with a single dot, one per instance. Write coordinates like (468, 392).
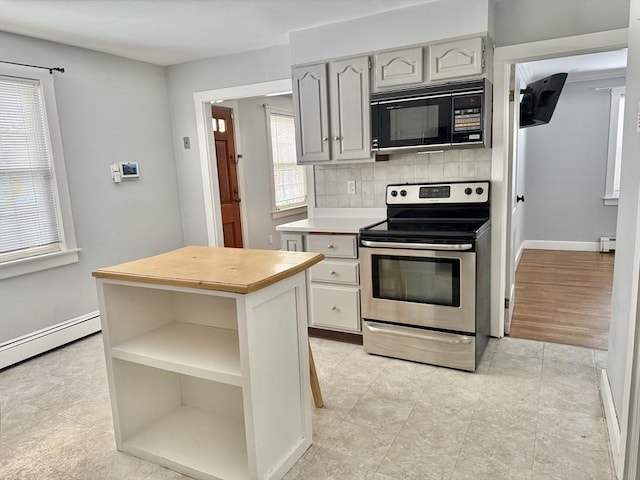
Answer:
(403, 193)
(479, 190)
(394, 193)
(468, 191)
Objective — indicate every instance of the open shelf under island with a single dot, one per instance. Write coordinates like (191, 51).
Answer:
(207, 360)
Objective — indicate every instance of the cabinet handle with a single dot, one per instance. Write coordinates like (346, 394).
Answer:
(325, 139)
(329, 246)
(337, 138)
(334, 308)
(332, 272)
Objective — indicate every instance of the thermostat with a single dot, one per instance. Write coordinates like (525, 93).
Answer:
(129, 170)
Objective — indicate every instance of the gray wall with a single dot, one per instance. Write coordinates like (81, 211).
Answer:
(625, 275)
(566, 164)
(251, 131)
(111, 109)
(184, 80)
(521, 21)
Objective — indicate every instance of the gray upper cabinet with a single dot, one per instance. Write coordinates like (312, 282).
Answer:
(350, 109)
(459, 58)
(311, 110)
(332, 113)
(398, 67)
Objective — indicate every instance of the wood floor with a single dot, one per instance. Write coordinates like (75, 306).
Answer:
(563, 297)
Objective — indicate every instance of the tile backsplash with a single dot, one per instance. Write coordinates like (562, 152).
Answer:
(372, 178)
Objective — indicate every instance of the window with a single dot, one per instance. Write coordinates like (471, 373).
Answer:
(614, 157)
(289, 193)
(36, 231)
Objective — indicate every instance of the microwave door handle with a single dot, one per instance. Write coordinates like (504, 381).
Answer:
(417, 246)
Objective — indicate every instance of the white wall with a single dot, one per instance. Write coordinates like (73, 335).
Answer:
(522, 21)
(424, 23)
(184, 80)
(251, 131)
(111, 109)
(566, 165)
(627, 263)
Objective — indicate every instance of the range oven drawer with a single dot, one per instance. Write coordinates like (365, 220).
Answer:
(420, 345)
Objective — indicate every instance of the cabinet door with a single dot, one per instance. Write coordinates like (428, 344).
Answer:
(398, 67)
(350, 109)
(456, 59)
(291, 242)
(310, 106)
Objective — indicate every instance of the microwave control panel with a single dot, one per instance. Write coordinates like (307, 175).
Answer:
(467, 118)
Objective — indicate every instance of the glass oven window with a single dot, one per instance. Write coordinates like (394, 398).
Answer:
(434, 281)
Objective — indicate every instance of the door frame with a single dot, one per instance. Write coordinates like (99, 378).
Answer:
(211, 190)
(504, 57)
(502, 167)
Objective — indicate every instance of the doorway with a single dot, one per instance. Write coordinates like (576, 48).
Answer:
(561, 284)
(227, 163)
(208, 157)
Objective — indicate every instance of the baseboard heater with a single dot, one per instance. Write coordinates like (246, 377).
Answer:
(607, 244)
(35, 343)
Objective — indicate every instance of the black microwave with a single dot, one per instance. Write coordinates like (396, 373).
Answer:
(434, 117)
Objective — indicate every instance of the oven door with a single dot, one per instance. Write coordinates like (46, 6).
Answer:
(411, 123)
(428, 288)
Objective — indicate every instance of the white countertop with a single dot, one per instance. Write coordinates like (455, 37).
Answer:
(329, 224)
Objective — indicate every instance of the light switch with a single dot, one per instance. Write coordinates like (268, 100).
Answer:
(186, 142)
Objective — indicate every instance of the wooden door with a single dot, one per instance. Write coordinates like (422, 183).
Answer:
(227, 175)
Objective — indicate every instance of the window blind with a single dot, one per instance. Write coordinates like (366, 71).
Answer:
(289, 178)
(29, 222)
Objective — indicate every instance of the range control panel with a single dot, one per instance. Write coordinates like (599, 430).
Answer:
(427, 193)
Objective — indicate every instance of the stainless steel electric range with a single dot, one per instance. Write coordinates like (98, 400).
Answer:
(426, 275)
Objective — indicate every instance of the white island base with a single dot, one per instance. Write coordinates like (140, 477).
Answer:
(209, 383)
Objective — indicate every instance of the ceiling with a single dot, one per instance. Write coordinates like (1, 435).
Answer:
(593, 65)
(166, 32)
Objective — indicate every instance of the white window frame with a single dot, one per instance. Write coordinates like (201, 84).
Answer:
(275, 211)
(614, 152)
(68, 253)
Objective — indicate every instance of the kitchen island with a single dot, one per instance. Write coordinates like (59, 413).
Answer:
(207, 359)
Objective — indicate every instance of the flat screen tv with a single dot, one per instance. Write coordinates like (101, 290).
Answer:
(539, 100)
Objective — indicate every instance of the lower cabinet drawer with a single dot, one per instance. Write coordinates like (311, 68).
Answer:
(335, 307)
(335, 271)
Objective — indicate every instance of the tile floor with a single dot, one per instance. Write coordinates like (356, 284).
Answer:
(532, 411)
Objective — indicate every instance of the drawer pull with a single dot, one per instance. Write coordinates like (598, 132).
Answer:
(334, 308)
(332, 272)
(329, 246)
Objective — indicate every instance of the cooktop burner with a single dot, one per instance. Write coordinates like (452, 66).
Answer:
(431, 212)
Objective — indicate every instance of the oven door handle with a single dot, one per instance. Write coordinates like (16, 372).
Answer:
(461, 340)
(418, 246)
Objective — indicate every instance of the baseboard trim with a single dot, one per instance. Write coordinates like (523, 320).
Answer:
(35, 343)
(611, 420)
(519, 255)
(558, 245)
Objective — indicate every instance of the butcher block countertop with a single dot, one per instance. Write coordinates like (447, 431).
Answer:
(238, 270)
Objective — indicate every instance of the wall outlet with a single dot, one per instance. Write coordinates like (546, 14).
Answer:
(270, 239)
(351, 187)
